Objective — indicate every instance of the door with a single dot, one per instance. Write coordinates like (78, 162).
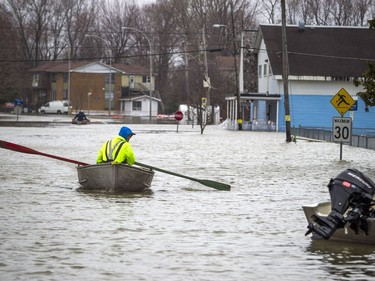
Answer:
(131, 82)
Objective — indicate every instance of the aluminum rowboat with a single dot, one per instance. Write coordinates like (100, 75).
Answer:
(114, 178)
(83, 122)
(341, 234)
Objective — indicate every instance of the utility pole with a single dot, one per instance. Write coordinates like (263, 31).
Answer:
(206, 66)
(186, 71)
(285, 72)
(238, 94)
(187, 82)
(206, 82)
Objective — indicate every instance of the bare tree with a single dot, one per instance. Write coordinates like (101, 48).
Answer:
(362, 9)
(112, 17)
(270, 10)
(45, 30)
(80, 19)
(179, 37)
(329, 12)
(320, 11)
(32, 19)
(162, 17)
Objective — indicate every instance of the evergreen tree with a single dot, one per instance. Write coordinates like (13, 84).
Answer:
(368, 81)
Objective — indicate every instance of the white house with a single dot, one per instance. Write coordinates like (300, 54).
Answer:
(138, 96)
(139, 106)
(322, 60)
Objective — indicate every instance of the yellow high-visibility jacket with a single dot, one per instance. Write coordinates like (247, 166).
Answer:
(116, 150)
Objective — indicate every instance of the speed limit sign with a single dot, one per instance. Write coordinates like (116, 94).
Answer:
(342, 129)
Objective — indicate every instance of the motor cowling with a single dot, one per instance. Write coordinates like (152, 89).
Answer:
(351, 195)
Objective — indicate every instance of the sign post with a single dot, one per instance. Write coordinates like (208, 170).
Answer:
(342, 127)
(18, 107)
(178, 116)
(342, 131)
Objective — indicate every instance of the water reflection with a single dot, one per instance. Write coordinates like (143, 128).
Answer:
(344, 260)
(183, 230)
(106, 194)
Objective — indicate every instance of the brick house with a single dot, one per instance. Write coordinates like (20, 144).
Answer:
(96, 87)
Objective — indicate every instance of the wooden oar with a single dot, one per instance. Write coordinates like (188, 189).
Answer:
(209, 183)
(24, 149)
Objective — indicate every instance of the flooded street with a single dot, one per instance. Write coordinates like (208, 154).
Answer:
(184, 230)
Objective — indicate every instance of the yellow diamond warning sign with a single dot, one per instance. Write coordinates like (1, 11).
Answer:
(342, 101)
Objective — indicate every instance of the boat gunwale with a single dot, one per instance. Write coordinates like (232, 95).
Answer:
(115, 170)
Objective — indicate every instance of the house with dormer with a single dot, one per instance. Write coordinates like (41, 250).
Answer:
(96, 87)
(138, 96)
(322, 61)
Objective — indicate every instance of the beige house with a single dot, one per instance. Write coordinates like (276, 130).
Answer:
(95, 87)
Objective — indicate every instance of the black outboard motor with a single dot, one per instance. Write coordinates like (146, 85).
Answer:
(351, 199)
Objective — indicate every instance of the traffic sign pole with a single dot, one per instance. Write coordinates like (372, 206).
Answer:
(178, 116)
(341, 143)
(18, 106)
(342, 127)
(342, 131)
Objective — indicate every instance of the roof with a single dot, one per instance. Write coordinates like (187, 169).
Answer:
(138, 97)
(59, 66)
(133, 69)
(321, 50)
(63, 66)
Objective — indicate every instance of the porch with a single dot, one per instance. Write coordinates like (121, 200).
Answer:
(259, 112)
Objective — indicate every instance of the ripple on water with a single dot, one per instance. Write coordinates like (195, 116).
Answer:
(52, 231)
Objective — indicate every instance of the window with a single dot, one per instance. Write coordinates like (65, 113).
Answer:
(53, 94)
(109, 90)
(145, 79)
(66, 77)
(65, 94)
(108, 75)
(260, 70)
(265, 70)
(35, 80)
(137, 105)
(109, 99)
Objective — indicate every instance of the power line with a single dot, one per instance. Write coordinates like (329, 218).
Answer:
(105, 57)
(181, 53)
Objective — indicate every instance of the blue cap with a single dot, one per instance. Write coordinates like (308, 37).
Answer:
(125, 132)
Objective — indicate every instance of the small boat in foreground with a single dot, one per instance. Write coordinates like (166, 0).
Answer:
(114, 177)
(350, 216)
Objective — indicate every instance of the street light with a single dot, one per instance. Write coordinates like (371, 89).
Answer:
(238, 94)
(150, 54)
(88, 102)
(110, 70)
(69, 66)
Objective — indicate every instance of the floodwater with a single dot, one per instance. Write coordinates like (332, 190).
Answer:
(183, 231)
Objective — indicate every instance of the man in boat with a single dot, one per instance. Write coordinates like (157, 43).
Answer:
(118, 149)
(80, 116)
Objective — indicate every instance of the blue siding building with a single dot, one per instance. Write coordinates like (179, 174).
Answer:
(322, 60)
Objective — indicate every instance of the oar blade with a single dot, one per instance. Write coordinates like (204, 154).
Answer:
(17, 147)
(215, 184)
(209, 183)
(24, 149)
